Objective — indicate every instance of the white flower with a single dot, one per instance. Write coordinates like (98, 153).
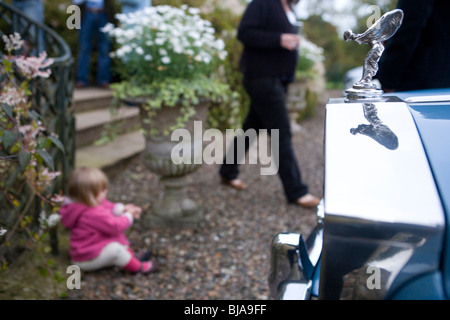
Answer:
(53, 219)
(159, 41)
(139, 50)
(223, 55)
(194, 34)
(165, 60)
(13, 42)
(170, 38)
(3, 231)
(107, 28)
(311, 50)
(219, 44)
(194, 11)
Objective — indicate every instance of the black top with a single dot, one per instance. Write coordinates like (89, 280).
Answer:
(418, 55)
(260, 31)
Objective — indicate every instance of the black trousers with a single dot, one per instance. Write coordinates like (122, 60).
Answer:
(268, 111)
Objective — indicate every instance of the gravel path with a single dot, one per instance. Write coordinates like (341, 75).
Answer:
(227, 255)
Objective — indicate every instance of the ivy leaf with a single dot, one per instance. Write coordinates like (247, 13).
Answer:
(12, 178)
(24, 158)
(57, 143)
(34, 115)
(47, 158)
(8, 110)
(8, 138)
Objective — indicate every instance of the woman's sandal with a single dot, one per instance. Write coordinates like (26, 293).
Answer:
(235, 184)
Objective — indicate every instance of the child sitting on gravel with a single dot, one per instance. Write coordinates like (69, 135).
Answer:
(97, 226)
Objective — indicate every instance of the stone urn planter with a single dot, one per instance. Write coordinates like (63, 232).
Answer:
(175, 208)
(167, 56)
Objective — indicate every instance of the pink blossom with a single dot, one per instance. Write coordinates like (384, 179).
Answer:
(30, 134)
(13, 97)
(57, 198)
(13, 42)
(33, 66)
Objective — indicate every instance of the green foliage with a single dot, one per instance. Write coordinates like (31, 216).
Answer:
(36, 274)
(26, 166)
(309, 55)
(340, 56)
(311, 100)
(230, 113)
(304, 66)
(171, 92)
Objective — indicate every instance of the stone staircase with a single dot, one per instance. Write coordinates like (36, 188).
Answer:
(93, 117)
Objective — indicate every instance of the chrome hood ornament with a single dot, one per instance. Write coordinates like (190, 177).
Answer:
(383, 29)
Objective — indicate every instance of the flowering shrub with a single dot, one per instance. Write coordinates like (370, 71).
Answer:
(24, 141)
(168, 54)
(164, 41)
(309, 55)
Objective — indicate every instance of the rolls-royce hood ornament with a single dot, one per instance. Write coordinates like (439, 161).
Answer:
(380, 31)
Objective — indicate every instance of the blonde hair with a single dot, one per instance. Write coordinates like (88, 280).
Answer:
(85, 184)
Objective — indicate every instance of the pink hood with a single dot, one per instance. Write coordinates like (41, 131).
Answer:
(92, 228)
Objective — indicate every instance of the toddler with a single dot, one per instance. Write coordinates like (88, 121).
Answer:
(97, 226)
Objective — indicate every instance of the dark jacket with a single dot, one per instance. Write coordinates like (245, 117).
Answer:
(260, 32)
(418, 55)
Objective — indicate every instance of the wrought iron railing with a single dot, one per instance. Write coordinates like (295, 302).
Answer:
(52, 97)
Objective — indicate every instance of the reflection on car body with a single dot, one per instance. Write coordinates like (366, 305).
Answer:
(376, 129)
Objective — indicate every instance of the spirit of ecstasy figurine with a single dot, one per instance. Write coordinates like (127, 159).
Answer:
(380, 31)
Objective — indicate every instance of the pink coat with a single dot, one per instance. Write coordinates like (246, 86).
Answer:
(92, 228)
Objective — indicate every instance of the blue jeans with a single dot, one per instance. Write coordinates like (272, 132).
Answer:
(91, 24)
(33, 9)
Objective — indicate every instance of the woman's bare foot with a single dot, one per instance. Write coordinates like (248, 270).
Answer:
(308, 201)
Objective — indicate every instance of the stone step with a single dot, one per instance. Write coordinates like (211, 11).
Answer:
(91, 99)
(112, 156)
(90, 125)
(91, 107)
